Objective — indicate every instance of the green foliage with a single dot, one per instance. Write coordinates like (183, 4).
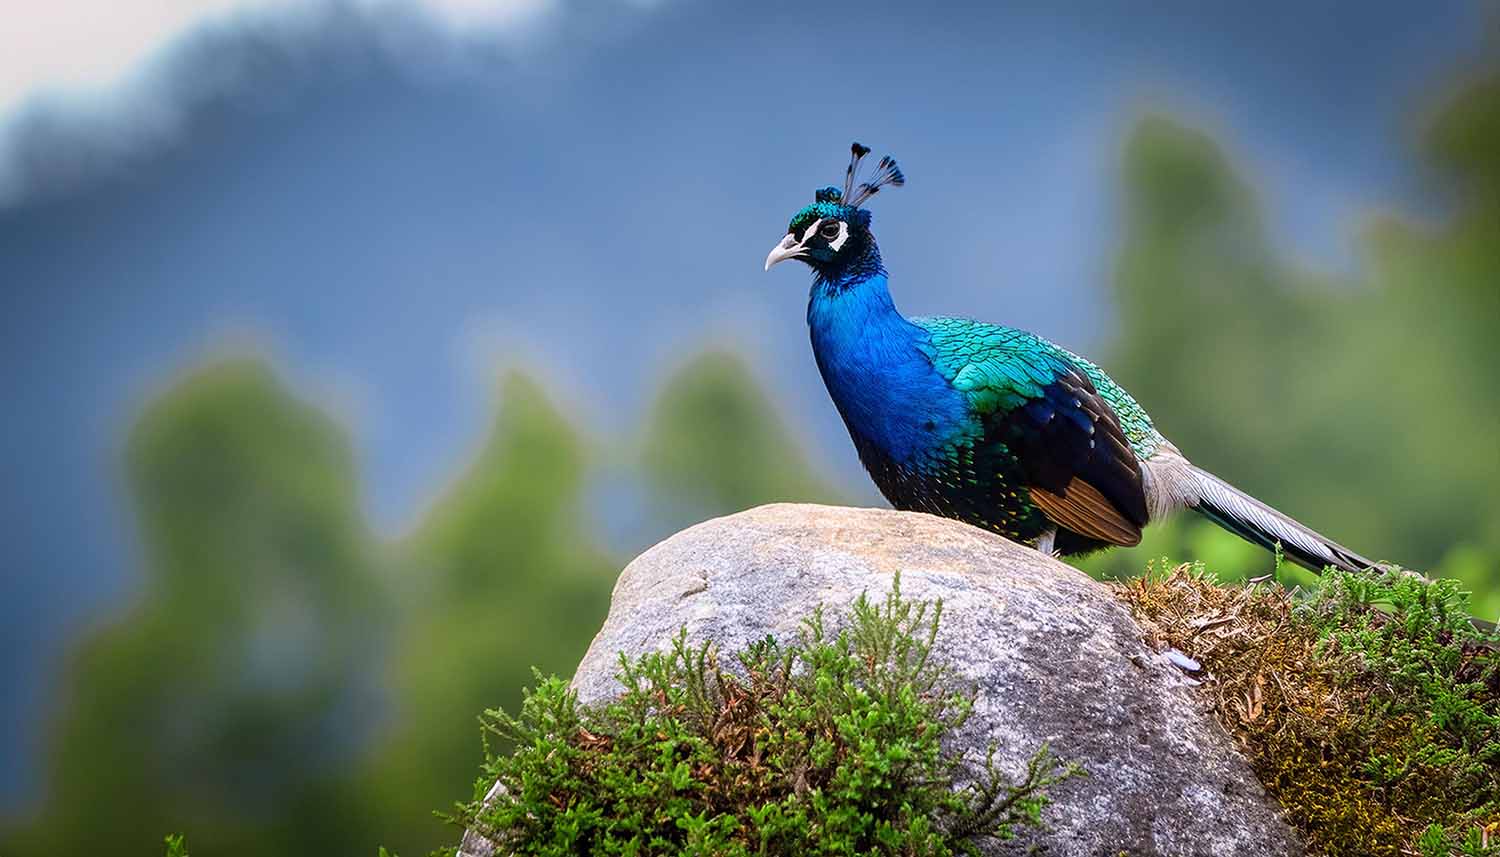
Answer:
(1369, 705)
(234, 699)
(227, 685)
(1359, 404)
(832, 745)
(715, 445)
(1408, 645)
(501, 574)
(176, 845)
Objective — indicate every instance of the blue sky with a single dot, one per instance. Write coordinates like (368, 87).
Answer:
(392, 201)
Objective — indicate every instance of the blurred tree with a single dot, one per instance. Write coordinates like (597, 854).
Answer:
(224, 703)
(229, 705)
(1364, 408)
(502, 575)
(715, 444)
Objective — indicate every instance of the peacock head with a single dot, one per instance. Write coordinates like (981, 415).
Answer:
(833, 234)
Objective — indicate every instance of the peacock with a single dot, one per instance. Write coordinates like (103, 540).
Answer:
(995, 426)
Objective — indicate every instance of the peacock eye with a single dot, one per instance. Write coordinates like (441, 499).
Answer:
(829, 230)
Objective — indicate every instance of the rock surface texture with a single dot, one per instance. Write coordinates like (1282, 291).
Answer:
(1054, 658)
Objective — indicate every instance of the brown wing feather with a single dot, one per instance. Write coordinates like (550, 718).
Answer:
(1082, 509)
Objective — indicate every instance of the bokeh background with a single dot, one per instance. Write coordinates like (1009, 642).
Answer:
(351, 348)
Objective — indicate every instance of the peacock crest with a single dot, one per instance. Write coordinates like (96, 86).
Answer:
(845, 203)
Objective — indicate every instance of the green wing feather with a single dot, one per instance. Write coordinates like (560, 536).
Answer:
(1001, 368)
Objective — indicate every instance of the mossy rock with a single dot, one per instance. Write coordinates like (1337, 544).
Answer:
(1369, 707)
(1051, 656)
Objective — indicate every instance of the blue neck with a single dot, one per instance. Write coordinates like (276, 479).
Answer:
(877, 370)
(856, 314)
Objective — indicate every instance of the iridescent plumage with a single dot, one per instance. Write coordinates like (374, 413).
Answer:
(992, 425)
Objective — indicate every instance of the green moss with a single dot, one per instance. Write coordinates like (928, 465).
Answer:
(830, 745)
(1369, 705)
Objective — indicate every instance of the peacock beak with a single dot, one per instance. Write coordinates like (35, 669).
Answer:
(787, 249)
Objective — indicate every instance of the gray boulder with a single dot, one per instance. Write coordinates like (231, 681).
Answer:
(1054, 657)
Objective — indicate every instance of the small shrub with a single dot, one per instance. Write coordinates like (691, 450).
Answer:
(830, 745)
(1369, 706)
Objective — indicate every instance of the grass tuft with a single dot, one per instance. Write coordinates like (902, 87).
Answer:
(833, 744)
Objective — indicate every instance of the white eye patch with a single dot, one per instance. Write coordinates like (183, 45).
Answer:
(816, 226)
(838, 242)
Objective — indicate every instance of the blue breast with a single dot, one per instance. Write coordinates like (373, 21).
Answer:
(882, 381)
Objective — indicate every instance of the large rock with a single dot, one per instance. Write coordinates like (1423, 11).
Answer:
(1054, 657)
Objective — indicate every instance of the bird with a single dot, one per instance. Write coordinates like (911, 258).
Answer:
(992, 425)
